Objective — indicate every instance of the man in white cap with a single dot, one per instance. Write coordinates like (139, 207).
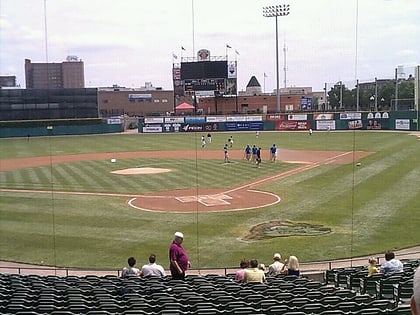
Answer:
(415, 299)
(178, 258)
(276, 267)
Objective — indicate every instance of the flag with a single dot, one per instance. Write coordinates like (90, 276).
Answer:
(183, 48)
(227, 46)
(236, 52)
(174, 56)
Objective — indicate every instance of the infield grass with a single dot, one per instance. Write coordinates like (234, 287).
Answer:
(369, 208)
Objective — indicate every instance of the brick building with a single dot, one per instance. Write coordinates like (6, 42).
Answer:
(67, 74)
(117, 101)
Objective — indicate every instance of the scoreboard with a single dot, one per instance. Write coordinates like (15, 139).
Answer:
(204, 85)
(204, 74)
(204, 70)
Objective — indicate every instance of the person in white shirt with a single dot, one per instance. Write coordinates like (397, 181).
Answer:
(391, 264)
(130, 271)
(152, 269)
(276, 267)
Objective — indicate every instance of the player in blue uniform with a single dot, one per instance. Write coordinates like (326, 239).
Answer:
(248, 152)
(254, 153)
(273, 153)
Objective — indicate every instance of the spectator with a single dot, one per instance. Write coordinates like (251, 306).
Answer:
(239, 275)
(262, 267)
(253, 273)
(152, 269)
(130, 271)
(415, 298)
(372, 269)
(291, 266)
(391, 265)
(178, 257)
(276, 267)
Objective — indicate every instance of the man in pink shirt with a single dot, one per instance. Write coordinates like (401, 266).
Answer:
(178, 258)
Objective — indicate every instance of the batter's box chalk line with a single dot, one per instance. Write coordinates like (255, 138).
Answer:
(207, 200)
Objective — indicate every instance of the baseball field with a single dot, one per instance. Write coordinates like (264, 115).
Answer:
(92, 201)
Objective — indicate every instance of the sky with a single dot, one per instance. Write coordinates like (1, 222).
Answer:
(131, 42)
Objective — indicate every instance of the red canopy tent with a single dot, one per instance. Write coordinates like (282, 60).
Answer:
(185, 106)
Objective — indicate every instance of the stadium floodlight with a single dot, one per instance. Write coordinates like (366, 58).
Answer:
(276, 11)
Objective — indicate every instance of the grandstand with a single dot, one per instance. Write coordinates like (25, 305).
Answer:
(208, 294)
(343, 289)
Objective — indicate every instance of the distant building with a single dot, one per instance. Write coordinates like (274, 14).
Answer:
(67, 74)
(253, 87)
(8, 81)
(143, 101)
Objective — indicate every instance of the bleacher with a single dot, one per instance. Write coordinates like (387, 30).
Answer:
(343, 291)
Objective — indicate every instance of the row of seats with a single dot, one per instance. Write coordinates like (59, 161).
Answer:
(398, 286)
(210, 294)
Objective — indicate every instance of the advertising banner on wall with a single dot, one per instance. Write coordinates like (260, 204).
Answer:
(325, 125)
(244, 126)
(292, 125)
(402, 124)
(216, 118)
(192, 127)
(275, 117)
(297, 117)
(178, 120)
(350, 116)
(156, 128)
(324, 116)
(195, 120)
(355, 124)
(175, 127)
(153, 120)
(306, 103)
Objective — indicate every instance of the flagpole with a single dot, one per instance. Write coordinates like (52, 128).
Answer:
(264, 82)
(193, 30)
(227, 47)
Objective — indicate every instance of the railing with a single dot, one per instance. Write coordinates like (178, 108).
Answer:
(306, 268)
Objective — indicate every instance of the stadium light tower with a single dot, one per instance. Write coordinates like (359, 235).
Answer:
(276, 11)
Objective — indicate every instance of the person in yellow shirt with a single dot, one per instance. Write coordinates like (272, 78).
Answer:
(372, 269)
(253, 273)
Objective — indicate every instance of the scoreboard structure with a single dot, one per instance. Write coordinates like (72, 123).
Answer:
(204, 75)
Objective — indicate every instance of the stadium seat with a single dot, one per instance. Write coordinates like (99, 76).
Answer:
(385, 286)
(333, 312)
(367, 285)
(400, 310)
(403, 291)
(370, 311)
(312, 308)
(279, 309)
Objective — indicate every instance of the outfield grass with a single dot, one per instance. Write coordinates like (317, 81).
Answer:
(369, 208)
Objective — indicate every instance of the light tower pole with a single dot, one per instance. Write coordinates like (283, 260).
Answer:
(276, 11)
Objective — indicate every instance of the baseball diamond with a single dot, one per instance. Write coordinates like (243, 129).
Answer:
(202, 200)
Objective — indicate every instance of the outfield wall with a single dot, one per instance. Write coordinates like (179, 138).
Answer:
(36, 128)
(401, 120)
(404, 121)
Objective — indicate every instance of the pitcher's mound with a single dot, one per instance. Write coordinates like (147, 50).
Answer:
(141, 170)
